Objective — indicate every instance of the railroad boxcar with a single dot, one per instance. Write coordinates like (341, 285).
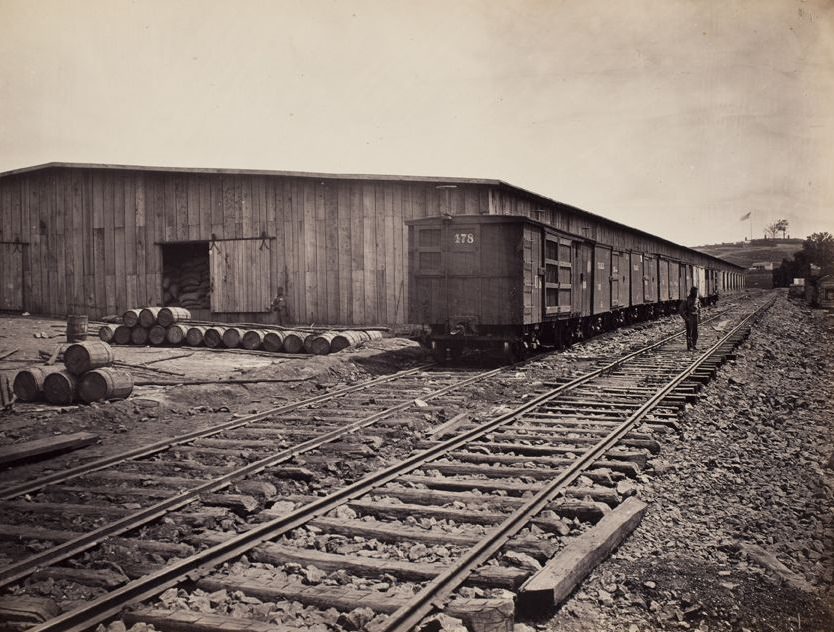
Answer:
(512, 283)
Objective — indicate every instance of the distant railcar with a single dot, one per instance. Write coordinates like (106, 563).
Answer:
(512, 283)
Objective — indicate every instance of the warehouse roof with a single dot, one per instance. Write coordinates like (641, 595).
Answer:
(355, 176)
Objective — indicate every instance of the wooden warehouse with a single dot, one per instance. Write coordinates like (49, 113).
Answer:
(99, 239)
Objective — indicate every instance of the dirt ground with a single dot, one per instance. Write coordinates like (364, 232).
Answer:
(155, 410)
(754, 467)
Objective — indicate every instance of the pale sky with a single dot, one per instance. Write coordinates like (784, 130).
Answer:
(673, 116)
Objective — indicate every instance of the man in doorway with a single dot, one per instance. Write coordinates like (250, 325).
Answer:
(279, 306)
(690, 311)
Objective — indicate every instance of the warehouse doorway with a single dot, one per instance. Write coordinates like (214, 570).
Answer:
(11, 276)
(186, 277)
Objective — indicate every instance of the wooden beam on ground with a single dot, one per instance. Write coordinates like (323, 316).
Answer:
(768, 561)
(561, 575)
(42, 447)
(27, 610)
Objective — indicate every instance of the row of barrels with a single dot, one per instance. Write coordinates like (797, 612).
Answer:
(276, 341)
(87, 376)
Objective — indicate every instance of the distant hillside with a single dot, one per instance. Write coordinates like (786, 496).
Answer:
(745, 253)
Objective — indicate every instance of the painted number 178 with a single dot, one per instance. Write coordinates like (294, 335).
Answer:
(464, 238)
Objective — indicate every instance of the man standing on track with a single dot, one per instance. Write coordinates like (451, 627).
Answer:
(690, 311)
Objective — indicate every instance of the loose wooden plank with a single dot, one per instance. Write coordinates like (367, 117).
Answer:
(768, 561)
(551, 585)
(22, 610)
(49, 445)
(101, 578)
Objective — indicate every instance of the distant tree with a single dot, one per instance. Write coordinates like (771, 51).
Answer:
(817, 249)
(778, 226)
(783, 226)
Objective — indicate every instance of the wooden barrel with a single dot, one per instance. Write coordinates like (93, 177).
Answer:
(28, 383)
(122, 335)
(139, 335)
(308, 341)
(272, 341)
(253, 339)
(213, 337)
(232, 337)
(148, 316)
(169, 315)
(131, 317)
(106, 333)
(345, 339)
(86, 356)
(176, 334)
(59, 387)
(293, 342)
(107, 383)
(320, 344)
(194, 336)
(76, 328)
(157, 335)
(374, 334)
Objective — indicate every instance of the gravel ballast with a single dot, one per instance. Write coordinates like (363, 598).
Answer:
(740, 531)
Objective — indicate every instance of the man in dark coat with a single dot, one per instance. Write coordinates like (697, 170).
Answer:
(279, 306)
(690, 311)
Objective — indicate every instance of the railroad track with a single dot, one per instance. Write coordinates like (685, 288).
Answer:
(497, 462)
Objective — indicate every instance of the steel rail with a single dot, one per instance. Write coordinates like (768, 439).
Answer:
(436, 592)
(194, 566)
(23, 568)
(27, 487)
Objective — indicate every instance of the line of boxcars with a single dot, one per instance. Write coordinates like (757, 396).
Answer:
(512, 283)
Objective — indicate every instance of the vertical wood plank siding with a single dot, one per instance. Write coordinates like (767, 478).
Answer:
(340, 247)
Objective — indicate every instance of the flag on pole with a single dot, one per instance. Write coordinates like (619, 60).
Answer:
(745, 216)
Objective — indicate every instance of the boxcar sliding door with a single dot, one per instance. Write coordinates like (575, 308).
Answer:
(636, 278)
(558, 276)
(582, 266)
(602, 279)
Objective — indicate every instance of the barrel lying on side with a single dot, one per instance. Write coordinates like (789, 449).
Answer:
(169, 315)
(273, 341)
(345, 339)
(213, 337)
(105, 384)
(294, 342)
(85, 356)
(106, 333)
(232, 337)
(131, 317)
(320, 344)
(60, 387)
(194, 337)
(28, 383)
(253, 339)
(122, 335)
(139, 335)
(157, 335)
(176, 334)
(148, 316)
